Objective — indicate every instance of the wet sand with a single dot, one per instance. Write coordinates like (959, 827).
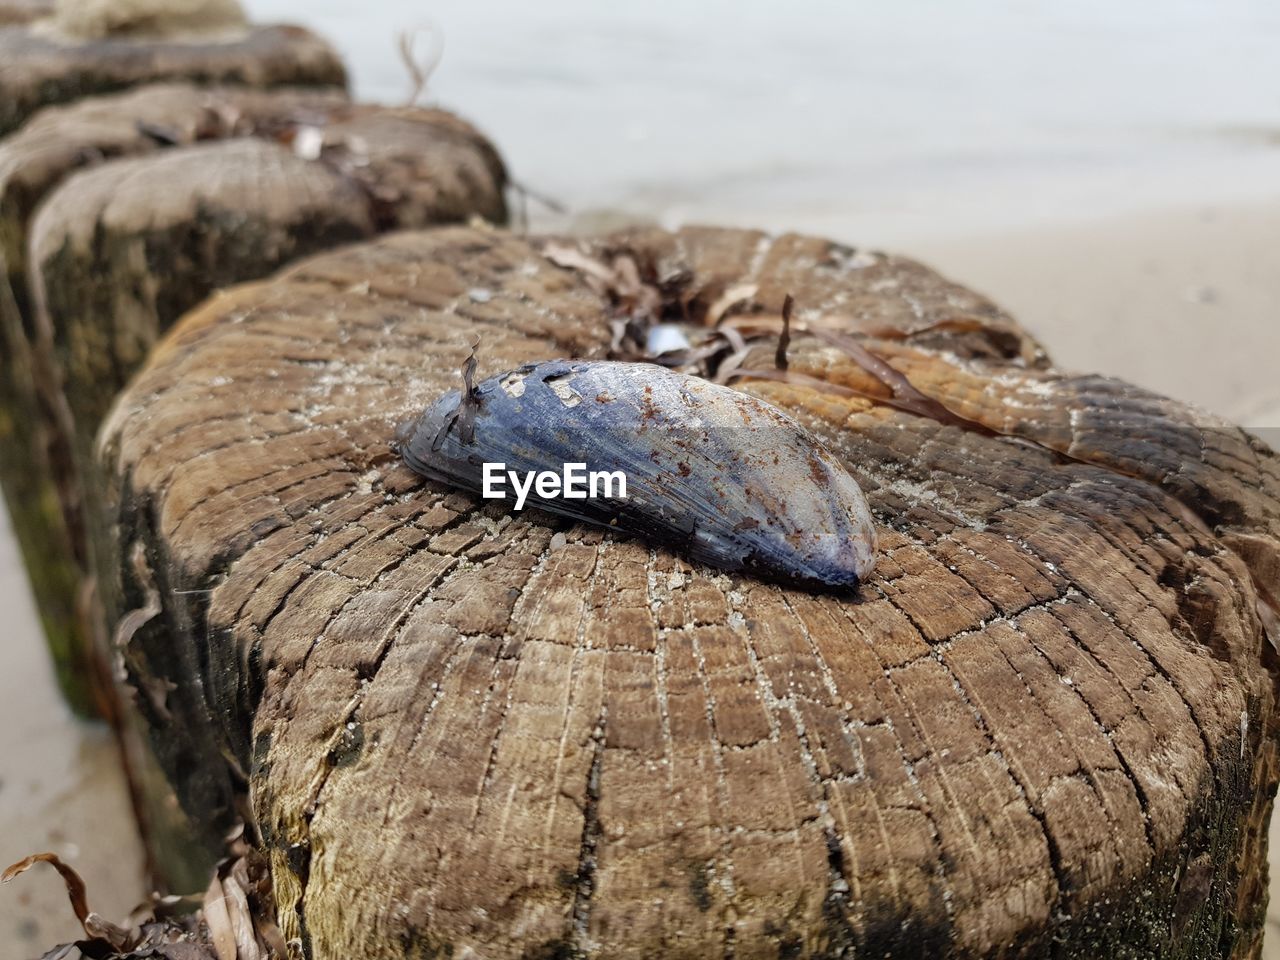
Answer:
(61, 788)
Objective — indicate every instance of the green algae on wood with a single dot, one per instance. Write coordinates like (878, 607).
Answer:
(240, 200)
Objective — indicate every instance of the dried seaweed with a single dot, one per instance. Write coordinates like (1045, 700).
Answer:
(464, 416)
(784, 338)
(620, 279)
(637, 299)
(73, 881)
(419, 68)
(800, 379)
(95, 927)
(470, 401)
(234, 920)
(905, 396)
(732, 297)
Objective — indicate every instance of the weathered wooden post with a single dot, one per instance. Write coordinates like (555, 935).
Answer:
(120, 212)
(1045, 726)
(87, 47)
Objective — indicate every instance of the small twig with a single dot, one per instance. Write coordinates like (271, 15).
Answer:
(527, 192)
(784, 338)
(95, 927)
(905, 395)
(164, 136)
(75, 885)
(801, 379)
(420, 70)
(470, 402)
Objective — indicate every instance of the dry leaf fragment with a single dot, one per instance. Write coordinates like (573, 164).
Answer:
(571, 258)
(75, 885)
(731, 297)
(218, 919)
(905, 395)
(620, 279)
(95, 927)
(241, 919)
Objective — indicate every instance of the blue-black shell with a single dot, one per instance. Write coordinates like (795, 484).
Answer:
(725, 476)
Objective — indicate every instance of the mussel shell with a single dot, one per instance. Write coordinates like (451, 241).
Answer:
(728, 478)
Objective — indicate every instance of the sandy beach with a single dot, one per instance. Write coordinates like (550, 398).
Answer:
(1184, 301)
(61, 788)
(1138, 242)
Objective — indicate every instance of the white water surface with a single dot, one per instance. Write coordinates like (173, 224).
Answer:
(888, 121)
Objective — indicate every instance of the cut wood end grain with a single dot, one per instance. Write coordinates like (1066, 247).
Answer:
(1046, 724)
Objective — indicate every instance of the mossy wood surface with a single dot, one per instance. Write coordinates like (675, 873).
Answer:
(33, 161)
(1044, 728)
(118, 213)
